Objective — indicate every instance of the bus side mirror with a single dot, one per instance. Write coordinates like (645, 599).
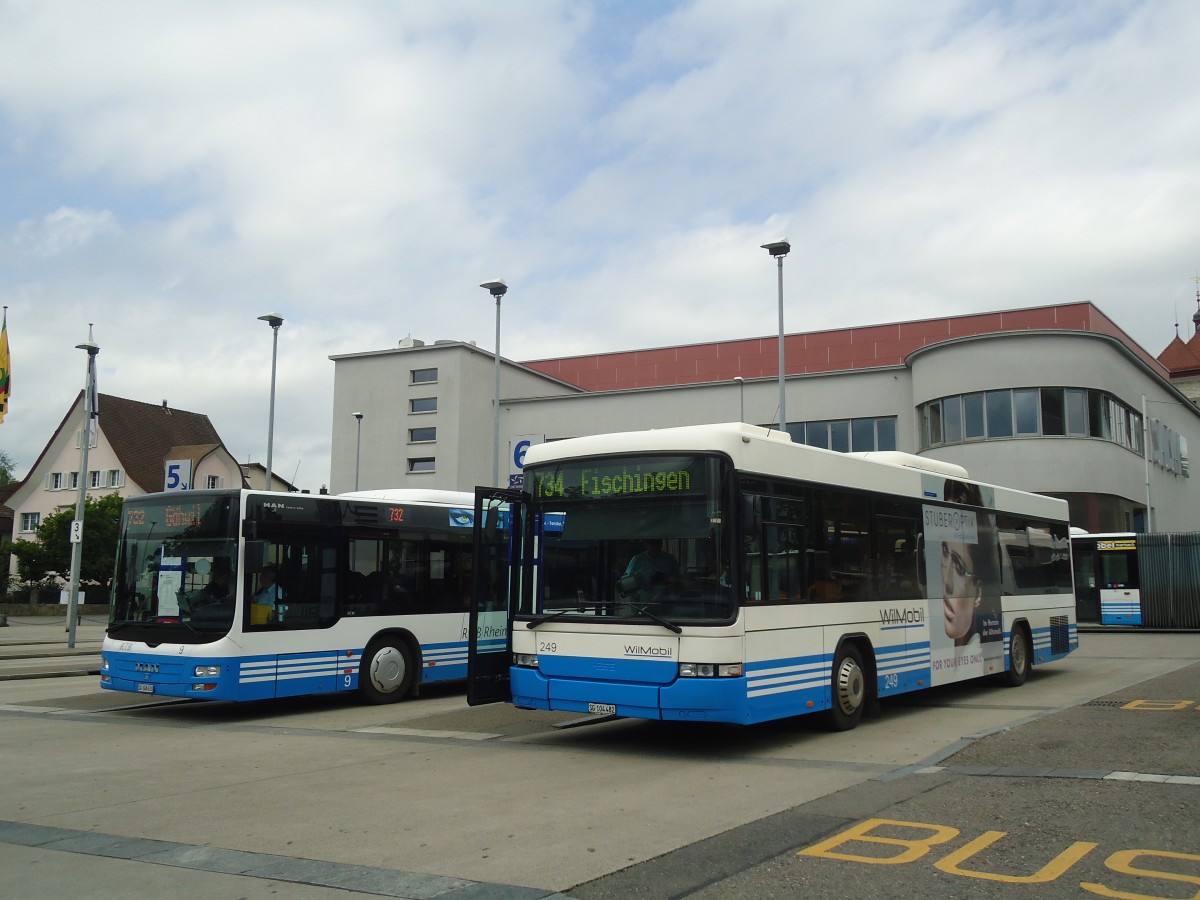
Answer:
(491, 520)
(256, 556)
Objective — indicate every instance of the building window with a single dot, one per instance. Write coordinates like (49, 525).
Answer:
(847, 435)
(30, 521)
(422, 435)
(424, 376)
(114, 478)
(1032, 412)
(74, 481)
(422, 405)
(94, 479)
(54, 481)
(421, 464)
(212, 482)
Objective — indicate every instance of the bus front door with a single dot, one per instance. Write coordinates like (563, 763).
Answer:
(498, 536)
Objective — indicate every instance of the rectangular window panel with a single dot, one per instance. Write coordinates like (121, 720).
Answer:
(1099, 415)
(422, 404)
(94, 478)
(421, 464)
(796, 430)
(999, 413)
(973, 417)
(952, 423)
(886, 430)
(114, 477)
(1054, 412)
(421, 435)
(839, 436)
(862, 435)
(1076, 411)
(424, 376)
(816, 434)
(935, 423)
(1025, 404)
(30, 521)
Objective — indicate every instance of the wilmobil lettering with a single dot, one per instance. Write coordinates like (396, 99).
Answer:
(658, 652)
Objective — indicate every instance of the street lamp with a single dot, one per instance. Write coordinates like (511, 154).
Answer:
(274, 320)
(779, 249)
(358, 449)
(497, 289)
(741, 383)
(85, 440)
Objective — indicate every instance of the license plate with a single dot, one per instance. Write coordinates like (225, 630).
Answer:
(602, 709)
(145, 689)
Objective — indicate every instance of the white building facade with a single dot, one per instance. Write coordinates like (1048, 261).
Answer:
(1079, 412)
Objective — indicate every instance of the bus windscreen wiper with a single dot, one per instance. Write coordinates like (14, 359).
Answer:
(542, 620)
(670, 626)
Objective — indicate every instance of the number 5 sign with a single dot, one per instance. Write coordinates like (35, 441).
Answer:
(178, 476)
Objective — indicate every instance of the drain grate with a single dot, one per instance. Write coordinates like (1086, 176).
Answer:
(1109, 703)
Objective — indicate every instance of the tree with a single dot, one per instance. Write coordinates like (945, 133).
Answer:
(51, 552)
(7, 467)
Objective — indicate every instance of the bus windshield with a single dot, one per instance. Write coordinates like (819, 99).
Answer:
(176, 572)
(642, 537)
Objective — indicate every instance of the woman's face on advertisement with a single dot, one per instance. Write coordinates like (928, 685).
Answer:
(960, 589)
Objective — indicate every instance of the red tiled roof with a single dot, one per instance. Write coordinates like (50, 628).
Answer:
(1181, 358)
(865, 347)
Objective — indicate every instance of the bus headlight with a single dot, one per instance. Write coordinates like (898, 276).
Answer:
(207, 671)
(710, 670)
(526, 660)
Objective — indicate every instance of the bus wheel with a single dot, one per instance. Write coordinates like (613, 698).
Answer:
(1020, 657)
(849, 689)
(386, 672)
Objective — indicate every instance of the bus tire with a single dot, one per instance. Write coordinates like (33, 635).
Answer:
(386, 672)
(1020, 657)
(849, 687)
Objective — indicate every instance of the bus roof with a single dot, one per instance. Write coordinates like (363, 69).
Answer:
(413, 495)
(772, 452)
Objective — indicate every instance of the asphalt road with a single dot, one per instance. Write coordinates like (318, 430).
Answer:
(1077, 784)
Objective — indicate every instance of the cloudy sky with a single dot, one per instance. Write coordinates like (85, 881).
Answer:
(170, 171)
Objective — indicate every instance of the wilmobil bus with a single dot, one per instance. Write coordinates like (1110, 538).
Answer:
(724, 573)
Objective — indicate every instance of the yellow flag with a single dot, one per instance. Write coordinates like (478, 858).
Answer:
(5, 370)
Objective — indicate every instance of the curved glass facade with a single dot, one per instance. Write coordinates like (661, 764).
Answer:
(1030, 412)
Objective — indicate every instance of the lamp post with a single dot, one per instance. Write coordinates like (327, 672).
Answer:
(741, 383)
(779, 249)
(497, 289)
(85, 439)
(274, 320)
(358, 449)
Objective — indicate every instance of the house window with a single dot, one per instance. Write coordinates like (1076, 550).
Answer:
(74, 481)
(212, 482)
(114, 478)
(30, 521)
(424, 376)
(55, 481)
(91, 438)
(421, 435)
(422, 405)
(421, 464)
(94, 479)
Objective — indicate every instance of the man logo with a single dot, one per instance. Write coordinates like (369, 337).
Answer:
(145, 667)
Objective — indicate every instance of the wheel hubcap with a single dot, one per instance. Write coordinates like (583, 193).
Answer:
(850, 686)
(387, 670)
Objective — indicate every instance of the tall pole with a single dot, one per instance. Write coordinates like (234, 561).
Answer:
(741, 383)
(85, 435)
(498, 289)
(358, 449)
(274, 320)
(1149, 523)
(779, 249)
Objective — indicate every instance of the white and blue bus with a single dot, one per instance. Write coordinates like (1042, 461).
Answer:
(247, 595)
(1107, 579)
(724, 573)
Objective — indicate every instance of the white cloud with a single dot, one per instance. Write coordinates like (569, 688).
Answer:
(173, 170)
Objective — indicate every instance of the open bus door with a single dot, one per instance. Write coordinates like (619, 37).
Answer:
(498, 535)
